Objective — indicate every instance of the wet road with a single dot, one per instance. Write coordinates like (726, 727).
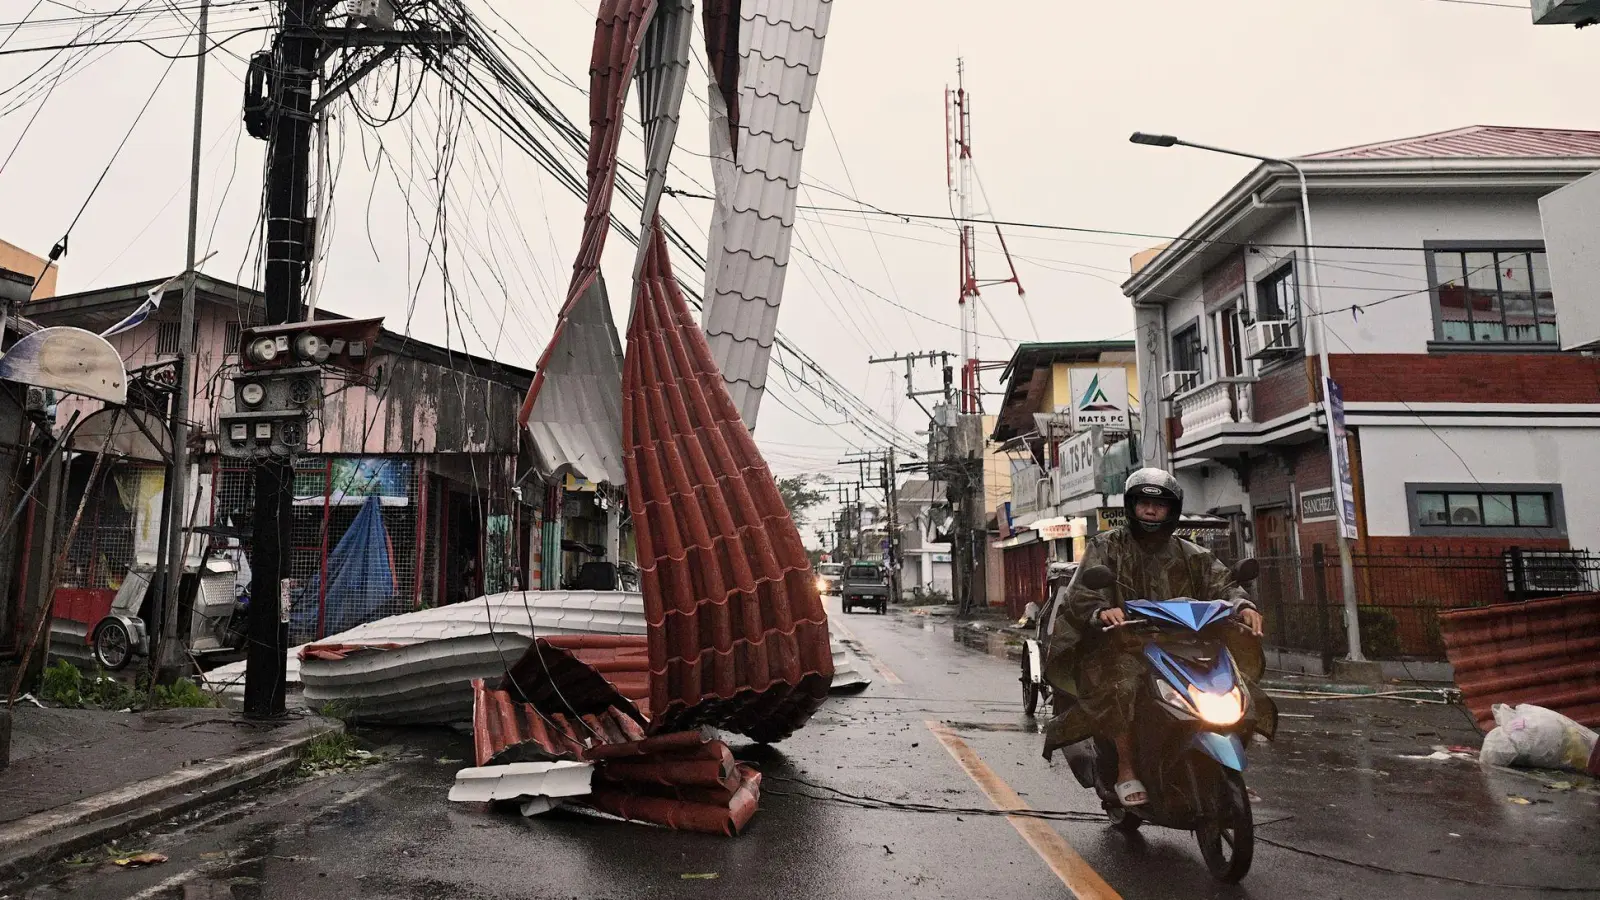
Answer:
(941, 726)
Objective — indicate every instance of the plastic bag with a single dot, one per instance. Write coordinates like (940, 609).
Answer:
(1534, 737)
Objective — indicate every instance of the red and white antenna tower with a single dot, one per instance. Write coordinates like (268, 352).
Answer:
(959, 177)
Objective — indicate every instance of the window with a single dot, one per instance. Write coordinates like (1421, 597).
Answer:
(1186, 348)
(1278, 296)
(1493, 296)
(1486, 510)
(231, 332)
(167, 339)
(864, 572)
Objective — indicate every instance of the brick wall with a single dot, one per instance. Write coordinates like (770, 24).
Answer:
(1280, 391)
(1467, 377)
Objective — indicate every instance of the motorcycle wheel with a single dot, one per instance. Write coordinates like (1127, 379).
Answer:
(1227, 837)
(1030, 691)
(113, 645)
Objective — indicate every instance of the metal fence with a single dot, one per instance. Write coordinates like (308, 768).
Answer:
(330, 496)
(1399, 597)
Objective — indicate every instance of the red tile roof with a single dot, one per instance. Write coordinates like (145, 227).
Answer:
(1478, 141)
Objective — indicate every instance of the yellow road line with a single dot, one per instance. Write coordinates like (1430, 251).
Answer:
(1079, 877)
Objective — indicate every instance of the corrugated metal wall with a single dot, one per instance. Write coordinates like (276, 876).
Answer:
(1545, 652)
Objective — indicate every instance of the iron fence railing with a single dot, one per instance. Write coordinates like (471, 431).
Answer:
(1399, 597)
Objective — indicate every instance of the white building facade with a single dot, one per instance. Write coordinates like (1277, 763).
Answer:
(1470, 430)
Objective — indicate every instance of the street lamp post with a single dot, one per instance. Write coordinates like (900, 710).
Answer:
(1314, 301)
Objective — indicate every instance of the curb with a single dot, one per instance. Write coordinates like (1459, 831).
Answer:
(46, 837)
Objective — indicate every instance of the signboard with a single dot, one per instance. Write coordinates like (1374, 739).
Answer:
(1099, 397)
(941, 557)
(1572, 244)
(1078, 465)
(1344, 494)
(1318, 506)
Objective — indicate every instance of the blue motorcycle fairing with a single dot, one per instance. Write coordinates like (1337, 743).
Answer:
(1191, 614)
(1226, 749)
(1180, 673)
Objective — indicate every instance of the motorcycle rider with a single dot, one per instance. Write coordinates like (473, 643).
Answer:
(1150, 563)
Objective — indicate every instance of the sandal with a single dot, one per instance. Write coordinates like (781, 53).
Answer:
(1127, 790)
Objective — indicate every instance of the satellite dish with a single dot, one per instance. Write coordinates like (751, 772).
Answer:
(70, 360)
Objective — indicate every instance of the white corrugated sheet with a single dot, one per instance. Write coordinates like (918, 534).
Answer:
(780, 48)
(539, 786)
(576, 420)
(444, 649)
(524, 613)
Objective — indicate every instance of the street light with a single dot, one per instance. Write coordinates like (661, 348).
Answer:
(1314, 301)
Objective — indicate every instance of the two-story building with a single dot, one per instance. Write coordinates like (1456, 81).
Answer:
(1470, 431)
(1070, 408)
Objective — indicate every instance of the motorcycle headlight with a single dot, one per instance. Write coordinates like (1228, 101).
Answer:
(822, 583)
(1218, 709)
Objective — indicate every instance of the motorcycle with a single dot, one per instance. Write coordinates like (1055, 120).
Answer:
(217, 613)
(1192, 719)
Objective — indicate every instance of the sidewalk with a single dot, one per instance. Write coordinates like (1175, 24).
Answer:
(79, 778)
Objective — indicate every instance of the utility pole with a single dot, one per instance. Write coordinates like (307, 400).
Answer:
(286, 116)
(295, 70)
(169, 661)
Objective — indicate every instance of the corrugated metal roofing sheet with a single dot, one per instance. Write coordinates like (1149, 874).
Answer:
(683, 780)
(1478, 141)
(506, 729)
(756, 165)
(738, 635)
(573, 409)
(1545, 652)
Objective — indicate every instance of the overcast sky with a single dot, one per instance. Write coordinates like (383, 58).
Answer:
(1056, 87)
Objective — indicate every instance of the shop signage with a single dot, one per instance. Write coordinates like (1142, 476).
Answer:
(1343, 490)
(1078, 465)
(1099, 397)
(1318, 506)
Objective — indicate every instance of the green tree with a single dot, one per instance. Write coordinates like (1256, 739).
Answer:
(800, 496)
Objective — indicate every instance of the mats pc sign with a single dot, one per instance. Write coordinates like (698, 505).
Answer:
(1099, 397)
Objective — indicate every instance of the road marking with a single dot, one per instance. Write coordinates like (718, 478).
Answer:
(1079, 877)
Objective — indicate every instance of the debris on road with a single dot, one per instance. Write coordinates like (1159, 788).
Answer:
(539, 786)
(1529, 736)
(140, 860)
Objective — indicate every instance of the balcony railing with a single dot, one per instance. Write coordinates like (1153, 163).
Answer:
(1222, 402)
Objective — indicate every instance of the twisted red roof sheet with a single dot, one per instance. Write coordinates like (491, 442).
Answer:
(738, 636)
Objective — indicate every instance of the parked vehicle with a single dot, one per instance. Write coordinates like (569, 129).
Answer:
(865, 584)
(828, 575)
(1191, 723)
(218, 613)
(1034, 686)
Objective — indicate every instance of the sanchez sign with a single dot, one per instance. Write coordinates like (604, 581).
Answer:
(1099, 397)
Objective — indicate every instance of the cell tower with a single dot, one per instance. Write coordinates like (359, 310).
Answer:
(959, 176)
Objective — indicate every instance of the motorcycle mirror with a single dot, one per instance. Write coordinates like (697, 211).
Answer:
(1098, 578)
(1247, 570)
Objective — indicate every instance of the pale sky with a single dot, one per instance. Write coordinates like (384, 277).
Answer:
(1057, 87)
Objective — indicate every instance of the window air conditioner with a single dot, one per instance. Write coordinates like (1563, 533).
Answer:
(1265, 340)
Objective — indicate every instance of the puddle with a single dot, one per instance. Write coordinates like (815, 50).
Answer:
(991, 642)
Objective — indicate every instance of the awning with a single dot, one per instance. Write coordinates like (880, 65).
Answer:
(1025, 537)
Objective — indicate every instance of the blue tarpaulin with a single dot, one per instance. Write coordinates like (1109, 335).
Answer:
(361, 582)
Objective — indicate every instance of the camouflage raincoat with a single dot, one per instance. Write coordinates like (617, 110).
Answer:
(1102, 669)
